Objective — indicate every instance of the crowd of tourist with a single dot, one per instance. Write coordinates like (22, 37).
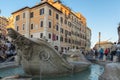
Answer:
(104, 54)
(7, 48)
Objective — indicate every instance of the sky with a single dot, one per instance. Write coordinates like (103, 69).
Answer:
(101, 15)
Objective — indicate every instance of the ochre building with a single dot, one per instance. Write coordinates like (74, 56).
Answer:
(10, 22)
(52, 20)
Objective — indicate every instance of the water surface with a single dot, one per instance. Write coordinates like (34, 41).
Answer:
(90, 74)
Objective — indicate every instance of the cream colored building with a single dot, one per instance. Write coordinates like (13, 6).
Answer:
(103, 44)
(3, 24)
(52, 20)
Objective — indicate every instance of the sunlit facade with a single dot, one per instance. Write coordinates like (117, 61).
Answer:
(52, 20)
(10, 22)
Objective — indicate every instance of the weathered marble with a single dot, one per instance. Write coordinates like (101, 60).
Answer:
(112, 72)
(37, 57)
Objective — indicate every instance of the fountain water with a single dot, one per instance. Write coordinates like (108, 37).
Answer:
(92, 73)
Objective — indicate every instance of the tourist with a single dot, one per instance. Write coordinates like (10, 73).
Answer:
(118, 52)
(8, 44)
(113, 50)
(96, 53)
(106, 53)
(101, 51)
(7, 48)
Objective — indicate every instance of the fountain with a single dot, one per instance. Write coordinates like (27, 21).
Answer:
(37, 54)
(35, 65)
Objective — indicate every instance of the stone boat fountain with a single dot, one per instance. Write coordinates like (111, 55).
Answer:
(37, 57)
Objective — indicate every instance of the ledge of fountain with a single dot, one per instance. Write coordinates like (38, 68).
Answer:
(8, 64)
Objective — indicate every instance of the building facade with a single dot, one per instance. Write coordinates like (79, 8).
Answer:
(88, 38)
(52, 20)
(10, 22)
(103, 44)
(3, 24)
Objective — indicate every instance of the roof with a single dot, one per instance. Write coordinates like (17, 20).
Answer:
(20, 9)
(4, 18)
(104, 42)
(36, 6)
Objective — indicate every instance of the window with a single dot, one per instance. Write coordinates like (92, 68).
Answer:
(69, 33)
(56, 37)
(17, 28)
(49, 24)
(61, 30)
(61, 39)
(65, 21)
(41, 23)
(31, 26)
(72, 17)
(41, 35)
(49, 36)
(31, 15)
(42, 11)
(69, 24)
(73, 41)
(57, 28)
(31, 36)
(23, 26)
(23, 15)
(65, 39)
(50, 12)
(69, 41)
(17, 17)
(61, 19)
(66, 32)
(57, 16)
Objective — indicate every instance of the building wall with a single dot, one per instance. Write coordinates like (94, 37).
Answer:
(10, 22)
(104, 45)
(3, 24)
(64, 24)
(88, 38)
